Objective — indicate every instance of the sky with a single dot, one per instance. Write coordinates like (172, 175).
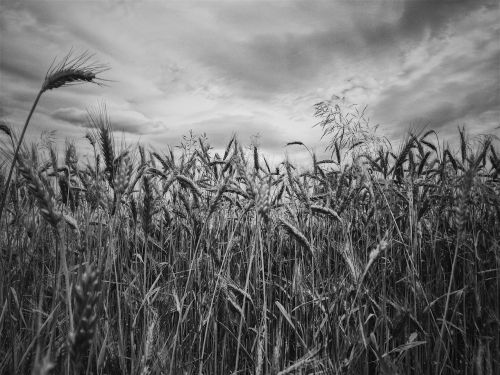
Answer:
(254, 68)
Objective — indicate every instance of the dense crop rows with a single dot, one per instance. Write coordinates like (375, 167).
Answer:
(191, 262)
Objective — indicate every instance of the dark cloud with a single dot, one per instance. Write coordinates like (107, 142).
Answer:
(286, 46)
(417, 18)
(463, 88)
(271, 64)
(421, 15)
(475, 103)
(274, 63)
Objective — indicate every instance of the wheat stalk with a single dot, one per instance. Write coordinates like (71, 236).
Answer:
(70, 70)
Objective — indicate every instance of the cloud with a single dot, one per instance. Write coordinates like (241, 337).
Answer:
(19, 69)
(219, 130)
(74, 116)
(274, 60)
(5, 111)
(133, 122)
(254, 67)
(121, 120)
(249, 130)
(446, 83)
(420, 15)
(269, 64)
(418, 19)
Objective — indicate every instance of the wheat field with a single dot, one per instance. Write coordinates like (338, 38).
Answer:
(189, 261)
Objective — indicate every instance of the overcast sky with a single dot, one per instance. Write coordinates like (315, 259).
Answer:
(255, 67)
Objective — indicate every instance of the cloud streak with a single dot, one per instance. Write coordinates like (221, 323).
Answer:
(121, 120)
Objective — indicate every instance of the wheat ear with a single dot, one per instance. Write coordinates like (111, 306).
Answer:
(297, 234)
(85, 295)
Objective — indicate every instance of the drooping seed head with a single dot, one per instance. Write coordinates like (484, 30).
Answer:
(73, 70)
